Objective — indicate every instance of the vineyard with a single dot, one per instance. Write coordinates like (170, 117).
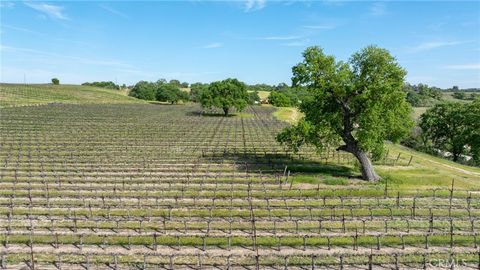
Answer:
(37, 94)
(138, 186)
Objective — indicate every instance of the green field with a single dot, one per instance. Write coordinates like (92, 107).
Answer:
(144, 186)
(36, 94)
(448, 96)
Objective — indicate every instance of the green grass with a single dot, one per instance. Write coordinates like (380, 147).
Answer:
(418, 111)
(37, 94)
(288, 114)
(264, 241)
(263, 95)
(448, 96)
(425, 172)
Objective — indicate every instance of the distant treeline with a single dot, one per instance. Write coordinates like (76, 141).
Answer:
(456, 89)
(465, 95)
(108, 85)
(283, 95)
(160, 90)
(422, 95)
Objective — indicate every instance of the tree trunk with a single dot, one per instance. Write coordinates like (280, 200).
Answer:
(225, 110)
(351, 146)
(366, 166)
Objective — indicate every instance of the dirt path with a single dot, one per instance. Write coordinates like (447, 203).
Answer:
(456, 168)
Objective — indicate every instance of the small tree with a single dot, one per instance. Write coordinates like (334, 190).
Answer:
(170, 93)
(278, 99)
(459, 95)
(55, 81)
(175, 83)
(144, 90)
(473, 126)
(196, 90)
(225, 95)
(453, 127)
(360, 103)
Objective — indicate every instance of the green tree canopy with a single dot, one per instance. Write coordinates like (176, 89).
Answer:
(103, 84)
(175, 83)
(196, 90)
(353, 106)
(473, 126)
(144, 90)
(168, 92)
(55, 81)
(253, 98)
(453, 127)
(459, 95)
(279, 99)
(226, 94)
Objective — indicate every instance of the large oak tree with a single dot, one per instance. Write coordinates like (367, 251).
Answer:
(226, 94)
(354, 106)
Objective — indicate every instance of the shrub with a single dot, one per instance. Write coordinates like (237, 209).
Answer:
(103, 84)
(144, 90)
(253, 98)
(279, 99)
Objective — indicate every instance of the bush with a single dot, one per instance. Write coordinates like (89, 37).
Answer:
(144, 90)
(253, 98)
(55, 81)
(279, 99)
(170, 93)
(108, 85)
(196, 90)
(459, 95)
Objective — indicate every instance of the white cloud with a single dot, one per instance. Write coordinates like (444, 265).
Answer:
(464, 66)
(7, 4)
(300, 43)
(320, 26)
(114, 11)
(52, 11)
(333, 2)
(378, 9)
(435, 44)
(251, 5)
(77, 59)
(19, 29)
(213, 45)
(279, 38)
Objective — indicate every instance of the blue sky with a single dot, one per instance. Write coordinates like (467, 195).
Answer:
(438, 42)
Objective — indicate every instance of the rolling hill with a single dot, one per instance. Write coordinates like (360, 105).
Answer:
(37, 94)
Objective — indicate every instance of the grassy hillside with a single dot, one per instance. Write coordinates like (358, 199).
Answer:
(448, 96)
(19, 95)
(425, 172)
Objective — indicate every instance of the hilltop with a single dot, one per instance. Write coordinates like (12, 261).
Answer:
(37, 94)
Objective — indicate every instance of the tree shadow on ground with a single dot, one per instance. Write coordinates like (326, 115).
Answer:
(153, 102)
(209, 114)
(280, 163)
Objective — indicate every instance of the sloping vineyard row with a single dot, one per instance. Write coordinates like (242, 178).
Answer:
(148, 187)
